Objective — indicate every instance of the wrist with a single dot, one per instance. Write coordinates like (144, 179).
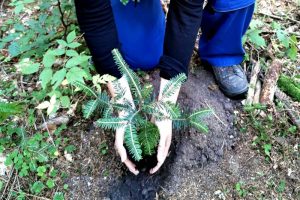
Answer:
(173, 98)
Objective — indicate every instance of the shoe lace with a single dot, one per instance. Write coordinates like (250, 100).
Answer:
(227, 72)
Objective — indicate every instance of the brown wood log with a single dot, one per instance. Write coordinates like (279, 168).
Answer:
(270, 82)
(55, 122)
(252, 84)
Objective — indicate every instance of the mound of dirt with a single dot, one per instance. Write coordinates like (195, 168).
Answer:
(190, 149)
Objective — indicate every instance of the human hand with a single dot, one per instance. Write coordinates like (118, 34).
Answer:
(119, 145)
(119, 136)
(165, 129)
(165, 133)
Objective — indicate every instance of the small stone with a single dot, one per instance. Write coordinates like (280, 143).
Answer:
(227, 106)
(30, 89)
(146, 77)
(231, 136)
(213, 87)
(235, 133)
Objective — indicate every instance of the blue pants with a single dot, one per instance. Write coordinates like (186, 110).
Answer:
(221, 40)
(140, 33)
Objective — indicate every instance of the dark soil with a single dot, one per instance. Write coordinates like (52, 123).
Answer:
(199, 166)
(190, 150)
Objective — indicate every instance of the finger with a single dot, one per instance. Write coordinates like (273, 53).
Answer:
(156, 168)
(119, 144)
(161, 156)
(122, 153)
(152, 119)
(131, 167)
(168, 144)
(161, 148)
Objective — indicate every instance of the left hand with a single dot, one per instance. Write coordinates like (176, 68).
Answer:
(165, 130)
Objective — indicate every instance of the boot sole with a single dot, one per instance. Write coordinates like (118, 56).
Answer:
(230, 94)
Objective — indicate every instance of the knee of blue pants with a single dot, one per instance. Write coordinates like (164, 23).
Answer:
(229, 5)
(221, 40)
(141, 29)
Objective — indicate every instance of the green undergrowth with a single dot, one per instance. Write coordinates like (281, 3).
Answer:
(289, 86)
(267, 126)
(275, 139)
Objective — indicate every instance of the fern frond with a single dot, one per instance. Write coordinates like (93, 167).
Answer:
(199, 126)
(89, 108)
(132, 142)
(163, 110)
(147, 91)
(103, 99)
(172, 109)
(180, 123)
(131, 76)
(200, 113)
(86, 89)
(140, 119)
(148, 137)
(120, 106)
(110, 123)
(108, 111)
(155, 109)
(171, 87)
(118, 89)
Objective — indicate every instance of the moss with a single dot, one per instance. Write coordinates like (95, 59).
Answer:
(290, 87)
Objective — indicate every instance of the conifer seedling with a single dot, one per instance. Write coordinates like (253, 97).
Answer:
(141, 135)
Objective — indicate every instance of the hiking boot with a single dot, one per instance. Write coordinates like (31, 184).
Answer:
(231, 80)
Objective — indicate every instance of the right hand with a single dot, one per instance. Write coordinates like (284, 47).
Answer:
(119, 136)
(119, 145)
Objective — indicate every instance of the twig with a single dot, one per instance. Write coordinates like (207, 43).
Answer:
(257, 92)
(22, 85)
(252, 84)
(12, 186)
(3, 70)
(215, 114)
(284, 98)
(50, 136)
(279, 18)
(62, 18)
(1, 8)
(288, 32)
(10, 175)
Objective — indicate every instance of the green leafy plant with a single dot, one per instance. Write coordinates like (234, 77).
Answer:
(287, 43)
(283, 42)
(239, 187)
(9, 109)
(141, 135)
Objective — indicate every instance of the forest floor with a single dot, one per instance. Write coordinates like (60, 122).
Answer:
(249, 152)
(220, 165)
